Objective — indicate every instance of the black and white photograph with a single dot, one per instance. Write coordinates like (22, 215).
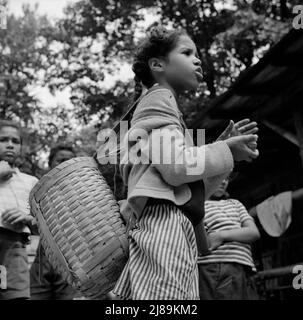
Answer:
(151, 150)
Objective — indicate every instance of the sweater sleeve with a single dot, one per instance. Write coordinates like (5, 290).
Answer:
(166, 148)
(179, 163)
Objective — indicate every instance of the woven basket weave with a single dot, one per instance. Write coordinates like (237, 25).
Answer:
(80, 226)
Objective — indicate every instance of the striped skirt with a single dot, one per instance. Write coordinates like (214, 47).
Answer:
(162, 261)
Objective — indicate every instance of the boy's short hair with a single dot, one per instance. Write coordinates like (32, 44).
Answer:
(13, 124)
(58, 147)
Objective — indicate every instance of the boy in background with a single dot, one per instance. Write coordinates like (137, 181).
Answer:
(15, 218)
(226, 272)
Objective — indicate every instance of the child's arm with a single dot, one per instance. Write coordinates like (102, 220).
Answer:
(201, 238)
(16, 218)
(176, 161)
(247, 234)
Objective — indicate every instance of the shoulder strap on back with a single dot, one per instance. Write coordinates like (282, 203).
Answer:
(129, 113)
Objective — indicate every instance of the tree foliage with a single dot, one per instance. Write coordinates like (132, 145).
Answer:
(23, 52)
(98, 36)
(96, 39)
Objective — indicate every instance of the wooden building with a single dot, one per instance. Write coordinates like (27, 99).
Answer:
(271, 93)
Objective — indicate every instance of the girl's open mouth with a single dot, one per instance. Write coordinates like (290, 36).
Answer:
(199, 75)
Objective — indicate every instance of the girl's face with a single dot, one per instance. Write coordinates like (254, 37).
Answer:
(182, 68)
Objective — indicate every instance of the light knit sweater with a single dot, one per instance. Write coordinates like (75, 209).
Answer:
(167, 174)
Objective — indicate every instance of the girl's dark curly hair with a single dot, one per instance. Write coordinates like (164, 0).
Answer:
(158, 43)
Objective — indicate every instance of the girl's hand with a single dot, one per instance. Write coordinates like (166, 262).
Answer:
(230, 129)
(215, 240)
(241, 127)
(243, 147)
(245, 127)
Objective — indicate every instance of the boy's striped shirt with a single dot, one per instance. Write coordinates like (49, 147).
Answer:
(224, 215)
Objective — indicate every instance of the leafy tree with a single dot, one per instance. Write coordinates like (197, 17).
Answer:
(89, 43)
(229, 38)
(97, 38)
(23, 52)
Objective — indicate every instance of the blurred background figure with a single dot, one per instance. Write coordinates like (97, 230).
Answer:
(225, 273)
(15, 218)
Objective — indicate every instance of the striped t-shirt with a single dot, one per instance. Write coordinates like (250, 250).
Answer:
(224, 215)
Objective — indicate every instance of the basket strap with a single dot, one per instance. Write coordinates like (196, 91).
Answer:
(126, 117)
(129, 113)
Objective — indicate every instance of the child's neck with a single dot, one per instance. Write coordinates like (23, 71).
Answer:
(168, 86)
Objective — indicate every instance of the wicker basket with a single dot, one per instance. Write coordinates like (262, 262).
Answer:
(80, 226)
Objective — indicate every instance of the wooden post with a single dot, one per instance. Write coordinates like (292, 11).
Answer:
(277, 272)
(282, 132)
(298, 121)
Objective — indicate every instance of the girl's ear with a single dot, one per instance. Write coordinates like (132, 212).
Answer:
(156, 64)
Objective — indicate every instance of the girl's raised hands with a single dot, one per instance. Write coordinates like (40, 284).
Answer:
(246, 127)
(241, 127)
(241, 147)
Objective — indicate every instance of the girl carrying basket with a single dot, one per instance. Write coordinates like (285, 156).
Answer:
(162, 261)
